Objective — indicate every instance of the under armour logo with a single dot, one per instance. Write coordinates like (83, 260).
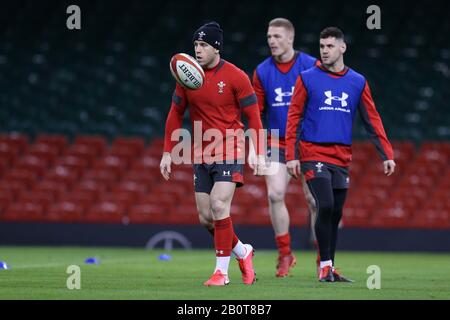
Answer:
(330, 97)
(221, 85)
(319, 167)
(219, 251)
(195, 179)
(281, 94)
(226, 173)
(201, 34)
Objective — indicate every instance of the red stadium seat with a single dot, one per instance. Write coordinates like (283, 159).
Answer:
(33, 164)
(84, 197)
(183, 213)
(87, 152)
(25, 176)
(432, 217)
(45, 151)
(4, 166)
(146, 162)
(123, 151)
(106, 211)
(136, 143)
(66, 211)
(111, 163)
(52, 187)
(37, 197)
(14, 187)
(163, 199)
(148, 213)
(90, 185)
(76, 163)
(126, 199)
(104, 176)
(24, 211)
(9, 154)
(356, 216)
(146, 177)
(16, 140)
(96, 142)
(6, 198)
(62, 174)
(57, 141)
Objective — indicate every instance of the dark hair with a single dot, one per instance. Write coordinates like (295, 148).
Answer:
(332, 32)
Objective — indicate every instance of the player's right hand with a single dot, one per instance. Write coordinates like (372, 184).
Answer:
(251, 159)
(293, 168)
(260, 165)
(165, 165)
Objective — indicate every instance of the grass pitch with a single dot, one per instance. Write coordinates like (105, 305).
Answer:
(41, 273)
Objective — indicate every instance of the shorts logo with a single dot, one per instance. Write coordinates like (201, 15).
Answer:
(319, 167)
(219, 251)
(226, 173)
(195, 179)
(347, 180)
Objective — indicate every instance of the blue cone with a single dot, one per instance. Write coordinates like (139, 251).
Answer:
(3, 266)
(165, 257)
(92, 261)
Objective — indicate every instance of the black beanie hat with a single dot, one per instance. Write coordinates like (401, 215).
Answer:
(211, 33)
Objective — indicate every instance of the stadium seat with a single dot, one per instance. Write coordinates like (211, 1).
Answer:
(136, 143)
(32, 163)
(45, 151)
(96, 142)
(52, 187)
(103, 177)
(6, 198)
(114, 164)
(106, 211)
(356, 216)
(57, 141)
(41, 198)
(9, 154)
(66, 211)
(95, 187)
(83, 197)
(62, 174)
(87, 152)
(150, 212)
(75, 163)
(16, 140)
(24, 211)
(25, 176)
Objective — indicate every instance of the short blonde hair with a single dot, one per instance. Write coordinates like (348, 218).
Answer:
(282, 22)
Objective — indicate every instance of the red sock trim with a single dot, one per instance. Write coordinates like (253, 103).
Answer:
(223, 237)
(284, 244)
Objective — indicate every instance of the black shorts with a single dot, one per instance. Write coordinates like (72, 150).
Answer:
(276, 154)
(336, 174)
(205, 175)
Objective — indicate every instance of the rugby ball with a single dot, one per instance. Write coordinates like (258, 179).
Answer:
(187, 71)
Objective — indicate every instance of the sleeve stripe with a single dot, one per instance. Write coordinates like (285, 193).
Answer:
(248, 101)
(176, 99)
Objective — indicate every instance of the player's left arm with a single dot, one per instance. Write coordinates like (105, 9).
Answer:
(248, 102)
(374, 127)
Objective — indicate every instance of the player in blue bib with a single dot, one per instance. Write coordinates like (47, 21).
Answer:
(274, 81)
(319, 137)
